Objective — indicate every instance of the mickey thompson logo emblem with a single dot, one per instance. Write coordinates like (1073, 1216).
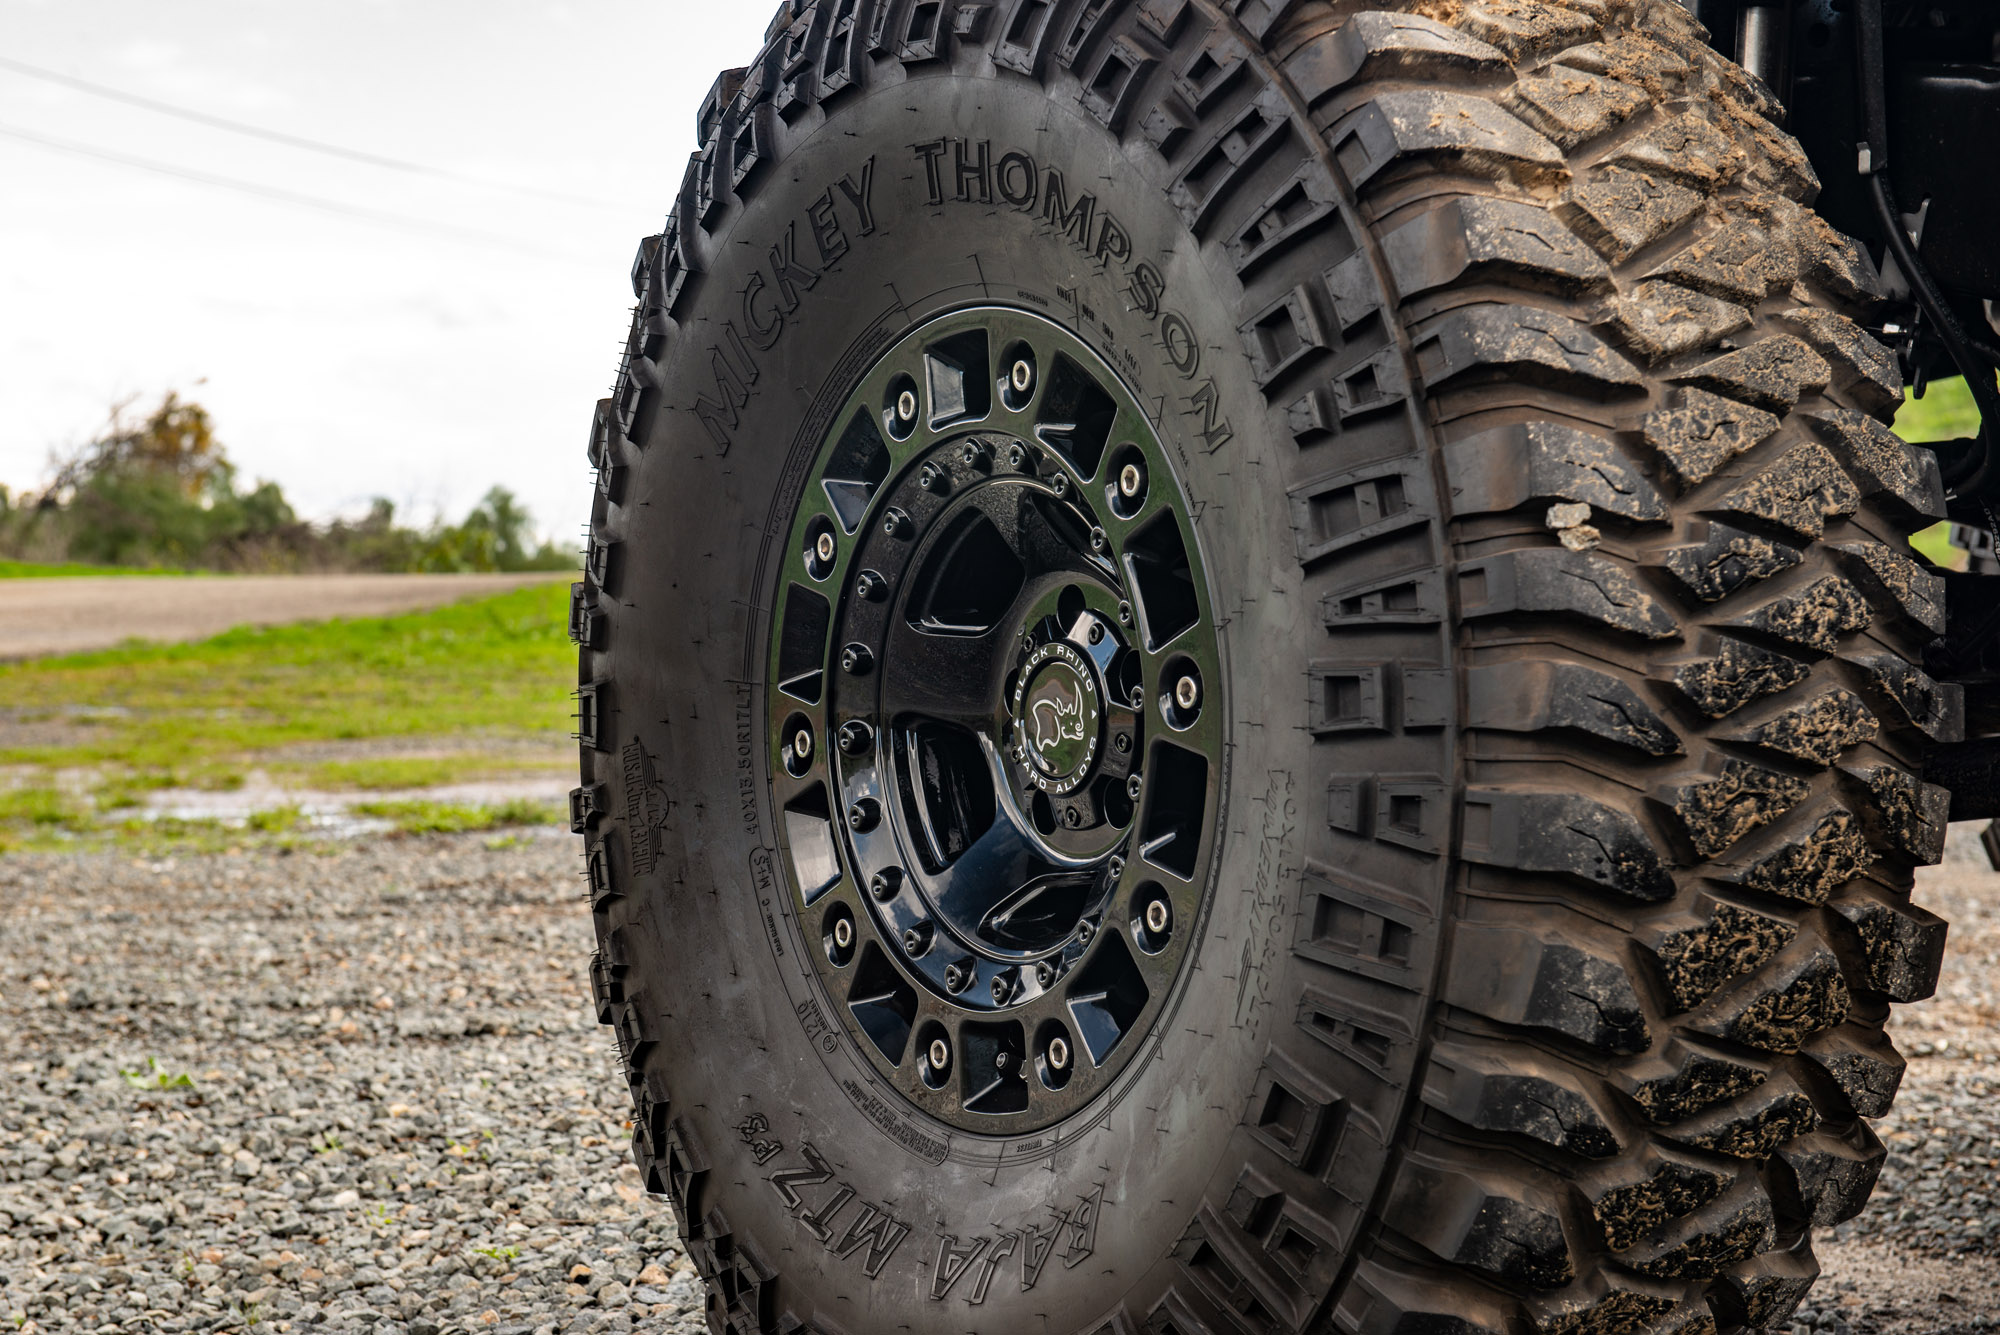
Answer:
(1056, 711)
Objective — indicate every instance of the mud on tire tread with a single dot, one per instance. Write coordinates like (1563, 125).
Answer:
(1640, 1089)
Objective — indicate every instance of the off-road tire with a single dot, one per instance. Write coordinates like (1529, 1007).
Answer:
(1562, 873)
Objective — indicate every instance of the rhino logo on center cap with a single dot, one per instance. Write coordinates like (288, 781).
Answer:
(1058, 718)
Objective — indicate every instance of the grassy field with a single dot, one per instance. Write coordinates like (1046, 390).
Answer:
(72, 569)
(471, 691)
(1945, 412)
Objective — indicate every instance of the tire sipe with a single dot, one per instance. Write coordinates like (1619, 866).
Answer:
(1250, 666)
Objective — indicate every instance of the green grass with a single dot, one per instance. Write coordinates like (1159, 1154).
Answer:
(149, 716)
(1945, 412)
(72, 570)
(426, 817)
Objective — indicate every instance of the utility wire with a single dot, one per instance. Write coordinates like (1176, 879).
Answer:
(291, 140)
(281, 196)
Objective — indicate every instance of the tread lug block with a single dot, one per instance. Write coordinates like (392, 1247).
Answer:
(1702, 432)
(1566, 833)
(1862, 366)
(747, 131)
(587, 805)
(1094, 18)
(1221, 1270)
(1345, 926)
(1378, 44)
(1454, 130)
(1539, 980)
(607, 982)
(1834, 1174)
(1739, 262)
(1294, 1115)
(843, 56)
(1619, 210)
(586, 621)
(1737, 674)
(1702, 1244)
(1168, 123)
(1260, 18)
(657, 288)
(681, 1174)
(1474, 238)
(1211, 70)
(628, 1026)
(1753, 1124)
(1771, 373)
(1685, 1077)
(1530, 30)
(1304, 206)
(1862, 1062)
(603, 451)
(1663, 320)
(1686, 147)
(1412, 599)
(1334, 513)
(794, 67)
(592, 724)
(1510, 466)
(1934, 708)
(1215, 169)
(1717, 812)
(1799, 492)
(1564, 583)
(600, 562)
(715, 102)
(1644, 61)
(744, 1288)
(1910, 813)
(1164, 19)
(1763, 1290)
(1804, 993)
(700, 201)
(1636, 1196)
(1382, 1301)
(1901, 476)
(1727, 559)
(1841, 267)
(1698, 951)
(1117, 82)
(1517, 1092)
(598, 883)
(1529, 695)
(1284, 334)
(1605, 1301)
(1903, 944)
(1482, 1222)
(1887, 574)
(1521, 344)
(1570, 105)
(1810, 869)
(1818, 732)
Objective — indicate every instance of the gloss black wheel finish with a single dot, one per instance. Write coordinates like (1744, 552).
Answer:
(993, 601)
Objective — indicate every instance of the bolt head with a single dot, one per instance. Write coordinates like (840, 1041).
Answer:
(1187, 692)
(1084, 931)
(1072, 817)
(1125, 614)
(1045, 973)
(1122, 743)
(855, 737)
(885, 883)
(1001, 987)
(1097, 632)
(1130, 479)
(1017, 456)
(954, 978)
(906, 406)
(940, 1055)
(1116, 866)
(863, 815)
(1059, 484)
(1021, 376)
(917, 940)
(823, 546)
(1058, 1054)
(1134, 786)
(870, 585)
(1099, 540)
(1158, 915)
(856, 660)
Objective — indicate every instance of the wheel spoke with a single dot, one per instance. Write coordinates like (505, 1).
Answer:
(948, 678)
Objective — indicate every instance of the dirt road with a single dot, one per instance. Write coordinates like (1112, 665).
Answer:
(64, 616)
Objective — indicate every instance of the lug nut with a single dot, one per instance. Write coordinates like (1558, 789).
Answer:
(1122, 743)
(940, 1056)
(823, 546)
(1134, 786)
(802, 745)
(884, 884)
(1159, 914)
(1021, 376)
(1131, 481)
(1058, 1054)
(856, 660)
(864, 815)
(843, 933)
(906, 406)
(1072, 817)
(855, 737)
(871, 586)
(1187, 692)
(917, 940)
(896, 522)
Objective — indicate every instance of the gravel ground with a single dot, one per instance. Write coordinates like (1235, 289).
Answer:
(400, 1115)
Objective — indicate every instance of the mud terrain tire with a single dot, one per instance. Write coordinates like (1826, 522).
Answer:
(1557, 863)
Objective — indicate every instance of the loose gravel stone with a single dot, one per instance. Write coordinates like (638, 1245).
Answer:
(363, 1091)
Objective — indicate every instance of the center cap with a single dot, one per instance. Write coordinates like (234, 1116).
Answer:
(1056, 714)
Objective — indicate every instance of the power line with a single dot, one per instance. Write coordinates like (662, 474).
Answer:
(277, 195)
(291, 140)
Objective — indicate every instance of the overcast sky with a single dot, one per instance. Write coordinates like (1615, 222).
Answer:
(425, 358)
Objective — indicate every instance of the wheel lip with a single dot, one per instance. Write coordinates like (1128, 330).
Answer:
(1205, 635)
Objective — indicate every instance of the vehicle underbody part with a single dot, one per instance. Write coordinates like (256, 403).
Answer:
(1251, 666)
